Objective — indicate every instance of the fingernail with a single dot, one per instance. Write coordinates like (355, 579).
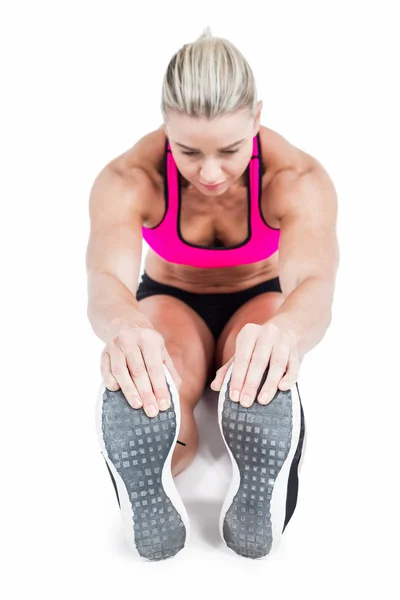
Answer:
(263, 398)
(164, 404)
(284, 386)
(235, 396)
(246, 400)
(152, 411)
(136, 402)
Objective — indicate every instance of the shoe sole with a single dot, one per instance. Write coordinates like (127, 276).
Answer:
(262, 441)
(138, 451)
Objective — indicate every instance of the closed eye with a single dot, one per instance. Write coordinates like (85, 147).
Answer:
(223, 152)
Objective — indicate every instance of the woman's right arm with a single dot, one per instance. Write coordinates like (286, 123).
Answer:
(135, 352)
(114, 252)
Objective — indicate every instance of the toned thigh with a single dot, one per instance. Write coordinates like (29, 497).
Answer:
(187, 339)
(257, 310)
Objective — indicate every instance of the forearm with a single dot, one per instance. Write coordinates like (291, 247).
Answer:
(112, 306)
(306, 313)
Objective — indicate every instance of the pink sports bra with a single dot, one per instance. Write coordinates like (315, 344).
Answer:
(166, 240)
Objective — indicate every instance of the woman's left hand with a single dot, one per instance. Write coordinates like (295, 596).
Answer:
(256, 347)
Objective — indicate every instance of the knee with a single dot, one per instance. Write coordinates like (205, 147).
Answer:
(189, 358)
(177, 355)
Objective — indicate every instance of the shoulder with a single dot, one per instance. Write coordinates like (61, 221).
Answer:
(307, 194)
(295, 178)
(279, 154)
(120, 191)
(136, 172)
(146, 155)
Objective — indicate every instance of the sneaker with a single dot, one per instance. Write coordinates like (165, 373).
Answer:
(264, 443)
(137, 450)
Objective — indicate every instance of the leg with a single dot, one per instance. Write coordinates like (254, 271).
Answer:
(191, 347)
(136, 447)
(278, 435)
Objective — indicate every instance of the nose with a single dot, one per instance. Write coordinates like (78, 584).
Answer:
(210, 182)
(210, 174)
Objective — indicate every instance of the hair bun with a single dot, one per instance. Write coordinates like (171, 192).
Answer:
(206, 33)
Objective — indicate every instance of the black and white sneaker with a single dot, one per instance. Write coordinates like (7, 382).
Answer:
(138, 451)
(265, 444)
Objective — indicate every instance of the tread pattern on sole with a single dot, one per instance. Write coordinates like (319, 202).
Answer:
(138, 446)
(259, 438)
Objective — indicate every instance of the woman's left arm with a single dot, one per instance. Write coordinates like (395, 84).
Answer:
(308, 263)
(308, 255)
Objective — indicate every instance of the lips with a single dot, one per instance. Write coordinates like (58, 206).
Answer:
(212, 186)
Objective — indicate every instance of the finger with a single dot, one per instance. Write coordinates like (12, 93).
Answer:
(152, 348)
(120, 372)
(256, 370)
(244, 349)
(277, 367)
(140, 376)
(105, 368)
(220, 375)
(292, 372)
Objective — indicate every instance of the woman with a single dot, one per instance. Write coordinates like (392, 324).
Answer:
(238, 285)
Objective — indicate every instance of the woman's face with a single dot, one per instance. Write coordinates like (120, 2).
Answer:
(209, 152)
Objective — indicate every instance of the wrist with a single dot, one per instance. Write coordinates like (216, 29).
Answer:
(118, 324)
(286, 326)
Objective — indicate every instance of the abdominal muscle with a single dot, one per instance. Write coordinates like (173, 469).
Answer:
(220, 280)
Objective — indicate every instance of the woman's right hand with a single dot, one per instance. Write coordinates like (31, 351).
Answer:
(133, 361)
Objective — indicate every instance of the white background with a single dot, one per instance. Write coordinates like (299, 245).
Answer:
(81, 83)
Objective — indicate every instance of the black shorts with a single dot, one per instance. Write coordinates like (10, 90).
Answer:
(214, 309)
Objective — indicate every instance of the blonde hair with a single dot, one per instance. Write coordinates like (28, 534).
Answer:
(208, 78)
